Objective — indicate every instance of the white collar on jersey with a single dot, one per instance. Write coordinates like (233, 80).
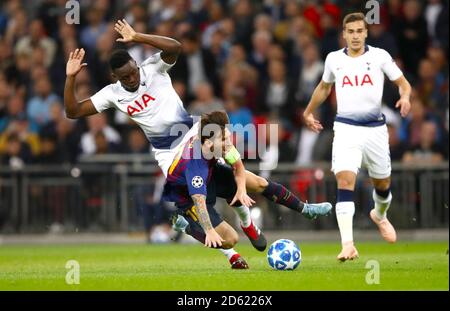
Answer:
(366, 49)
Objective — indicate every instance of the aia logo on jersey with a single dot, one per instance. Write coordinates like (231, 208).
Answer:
(346, 80)
(139, 106)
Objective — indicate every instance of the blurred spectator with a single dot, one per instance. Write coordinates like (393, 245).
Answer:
(427, 151)
(62, 130)
(37, 39)
(279, 146)
(412, 35)
(431, 87)
(15, 110)
(242, 76)
(311, 74)
(239, 115)
(96, 26)
(436, 55)
(136, 13)
(412, 125)
(275, 9)
(99, 66)
(306, 142)
(242, 12)
(263, 22)
(258, 57)
(49, 154)
(98, 123)
(331, 33)
(38, 107)
(314, 10)
(21, 128)
(217, 22)
(219, 47)
(102, 145)
(441, 28)
(17, 25)
(14, 152)
(195, 65)
(136, 142)
(205, 101)
(277, 92)
(433, 9)
(380, 38)
(396, 147)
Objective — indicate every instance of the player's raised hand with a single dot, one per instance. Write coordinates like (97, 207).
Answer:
(74, 64)
(213, 239)
(125, 30)
(313, 124)
(404, 105)
(243, 198)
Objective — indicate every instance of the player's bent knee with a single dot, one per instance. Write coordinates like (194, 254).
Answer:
(345, 183)
(227, 245)
(382, 184)
(230, 242)
(231, 239)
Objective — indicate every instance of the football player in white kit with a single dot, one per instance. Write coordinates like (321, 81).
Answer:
(360, 132)
(145, 93)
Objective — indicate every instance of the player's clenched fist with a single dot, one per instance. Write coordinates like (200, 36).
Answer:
(74, 64)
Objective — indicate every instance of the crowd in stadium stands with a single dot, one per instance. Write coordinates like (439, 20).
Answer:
(258, 60)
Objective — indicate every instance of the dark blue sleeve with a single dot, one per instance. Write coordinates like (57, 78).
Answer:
(196, 176)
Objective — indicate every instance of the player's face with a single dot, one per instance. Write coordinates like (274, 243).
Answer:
(129, 76)
(355, 34)
(217, 145)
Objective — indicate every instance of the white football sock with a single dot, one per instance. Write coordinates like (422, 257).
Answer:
(228, 252)
(244, 215)
(344, 215)
(381, 204)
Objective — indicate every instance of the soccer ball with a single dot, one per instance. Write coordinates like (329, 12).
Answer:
(284, 255)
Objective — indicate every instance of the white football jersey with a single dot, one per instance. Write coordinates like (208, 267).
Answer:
(359, 82)
(154, 106)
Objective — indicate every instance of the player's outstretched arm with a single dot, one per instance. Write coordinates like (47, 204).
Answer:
(321, 92)
(170, 48)
(212, 239)
(241, 193)
(404, 89)
(75, 109)
(233, 158)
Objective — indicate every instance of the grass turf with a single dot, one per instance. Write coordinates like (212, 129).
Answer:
(403, 266)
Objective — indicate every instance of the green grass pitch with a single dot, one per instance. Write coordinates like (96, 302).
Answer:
(402, 266)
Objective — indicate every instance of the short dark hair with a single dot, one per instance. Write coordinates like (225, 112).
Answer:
(218, 118)
(119, 58)
(354, 17)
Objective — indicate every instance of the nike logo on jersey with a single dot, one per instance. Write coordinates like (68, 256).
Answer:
(139, 106)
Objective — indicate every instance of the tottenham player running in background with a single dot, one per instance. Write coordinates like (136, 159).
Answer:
(360, 133)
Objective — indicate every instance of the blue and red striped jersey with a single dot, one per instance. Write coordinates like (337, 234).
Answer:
(189, 174)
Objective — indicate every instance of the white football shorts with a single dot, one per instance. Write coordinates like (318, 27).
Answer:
(165, 157)
(361, 146)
